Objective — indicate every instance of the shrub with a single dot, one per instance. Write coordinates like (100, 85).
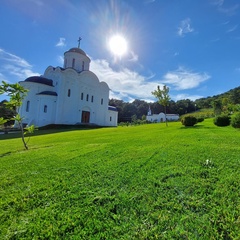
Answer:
(222, 120)
(188, 121)
(200, 119)
(235, 120)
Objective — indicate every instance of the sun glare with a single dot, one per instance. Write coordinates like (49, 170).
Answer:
(118, 45)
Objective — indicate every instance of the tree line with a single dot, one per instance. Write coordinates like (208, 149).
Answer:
(226, 102)
(139, 108)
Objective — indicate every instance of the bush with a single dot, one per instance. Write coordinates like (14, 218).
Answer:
(189, 121)
(200, 119)
(222, 120)
(235, 120)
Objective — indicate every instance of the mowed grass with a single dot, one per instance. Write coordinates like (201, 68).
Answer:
(143, 182)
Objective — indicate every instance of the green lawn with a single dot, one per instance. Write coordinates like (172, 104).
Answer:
(142, 182)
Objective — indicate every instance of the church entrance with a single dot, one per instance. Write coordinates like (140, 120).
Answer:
(85, 117)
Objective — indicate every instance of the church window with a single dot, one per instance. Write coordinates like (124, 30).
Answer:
(92, 99)
(45, 108)
(73, 63)
(110, 119)
(102, 101)
(28, 106)
(82, 96)
(65, 63)
(69, 92)
(87, 97)
(82, 65)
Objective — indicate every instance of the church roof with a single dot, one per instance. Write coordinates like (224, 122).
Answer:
(77, 50)
(48, 93)
(112, 108)
(41, 80)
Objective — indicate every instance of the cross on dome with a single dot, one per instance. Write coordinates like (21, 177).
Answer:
(79, 39)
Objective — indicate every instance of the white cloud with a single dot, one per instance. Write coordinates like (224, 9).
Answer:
(186, 96)
(60, 60)
(21, 73)
(125, 83)
(182, 79)
(185, 27)
(6, 56)
(12, 65)
(61, 42)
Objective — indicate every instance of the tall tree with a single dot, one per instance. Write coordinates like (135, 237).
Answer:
(163, 98)
(217, 107)
(16, 94)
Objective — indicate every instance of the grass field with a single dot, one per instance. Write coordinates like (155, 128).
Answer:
(141, 182)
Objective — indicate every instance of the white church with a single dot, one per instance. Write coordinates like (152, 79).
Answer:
(69, 95)
(161, 117)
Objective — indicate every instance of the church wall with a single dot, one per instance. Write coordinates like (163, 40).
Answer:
(112, 118)
(29, 108)
(46, 110)
(161, 117)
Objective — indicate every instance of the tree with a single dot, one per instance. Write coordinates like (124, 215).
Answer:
(163, 98)
(16, 94)
(217, 107)
(6, 113)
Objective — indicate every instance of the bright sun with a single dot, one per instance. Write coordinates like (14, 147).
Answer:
(118, 45)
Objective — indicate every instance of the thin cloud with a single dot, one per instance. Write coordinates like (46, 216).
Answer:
(6, 56)
(61, 42)
(232, 29)
(16, 66)
(185, 27)
(182, 79)
(186, 96)
(134, 57)
(60, 60)
(21, 73)
(220, 4)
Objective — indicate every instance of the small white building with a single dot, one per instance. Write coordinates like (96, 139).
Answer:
(71, 94)
(161, 117)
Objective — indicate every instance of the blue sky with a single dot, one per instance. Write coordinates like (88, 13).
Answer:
(192, 46)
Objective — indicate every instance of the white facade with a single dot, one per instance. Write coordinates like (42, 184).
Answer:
(69, 95)
(161, 117)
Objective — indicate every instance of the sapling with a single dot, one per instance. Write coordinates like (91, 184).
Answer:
(16, 93)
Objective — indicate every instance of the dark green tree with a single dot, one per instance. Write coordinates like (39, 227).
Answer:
(163, 98)
(217, 107)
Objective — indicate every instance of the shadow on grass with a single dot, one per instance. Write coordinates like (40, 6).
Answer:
(48, 130)
(200, 126)
(5, 154)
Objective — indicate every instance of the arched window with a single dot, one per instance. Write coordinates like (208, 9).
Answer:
(82, 65)
(27, 106)
(92, 99)
(82, 96)
(45, 108)
(110, 119)
(87, 97)
(69, 92)
(102, 101)
(73, 63)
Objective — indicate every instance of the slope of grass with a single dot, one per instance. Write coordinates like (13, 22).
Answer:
(144, 182)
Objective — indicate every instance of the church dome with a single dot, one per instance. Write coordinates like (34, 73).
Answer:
(77, 59)
(39, 79)
(77, 50)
